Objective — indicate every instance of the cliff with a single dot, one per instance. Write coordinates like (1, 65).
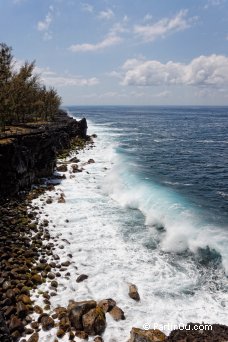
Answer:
(24, 158)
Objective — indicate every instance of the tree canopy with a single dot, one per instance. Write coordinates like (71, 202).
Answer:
(23, 98)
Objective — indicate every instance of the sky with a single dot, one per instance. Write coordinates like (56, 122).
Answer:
(123, 52)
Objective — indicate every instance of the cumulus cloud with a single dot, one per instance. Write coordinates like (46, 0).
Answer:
(107, 15)
(163, 27)
(208, 71)
(111, 39)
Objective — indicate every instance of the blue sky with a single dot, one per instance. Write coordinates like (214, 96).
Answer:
(139, 52)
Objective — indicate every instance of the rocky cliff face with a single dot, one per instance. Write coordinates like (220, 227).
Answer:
(25, 158)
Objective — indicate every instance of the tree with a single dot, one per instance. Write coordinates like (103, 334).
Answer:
(22, 97)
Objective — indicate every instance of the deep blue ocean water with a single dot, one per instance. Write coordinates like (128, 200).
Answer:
(181, 148)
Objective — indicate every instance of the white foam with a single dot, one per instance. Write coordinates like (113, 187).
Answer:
(106, 246)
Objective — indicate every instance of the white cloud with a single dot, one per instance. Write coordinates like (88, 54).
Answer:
(45, 24)
(87, 7)
(214, 3)
(111, 39)
(51, 78)
(163, 27)
(108, 14)
(203, 71)
(147, 17)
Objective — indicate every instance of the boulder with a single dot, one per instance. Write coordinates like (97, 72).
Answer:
(16, 324)
(94, 321)
(117, 313)
(152, 335)
(77, 309)
(98, 339)
(62, 168)
(107, 304)
(91, 161)
(133, 292)
(81, 278)
(47, 322)
(61, 199)
(34, 338)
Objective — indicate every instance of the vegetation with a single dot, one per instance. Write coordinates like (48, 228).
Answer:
(23, 98)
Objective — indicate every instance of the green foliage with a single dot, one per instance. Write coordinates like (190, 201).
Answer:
(22, 97)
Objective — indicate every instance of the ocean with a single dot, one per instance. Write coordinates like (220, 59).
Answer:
(153, 211)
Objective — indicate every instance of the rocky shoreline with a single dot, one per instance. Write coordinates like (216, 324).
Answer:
(29, 260)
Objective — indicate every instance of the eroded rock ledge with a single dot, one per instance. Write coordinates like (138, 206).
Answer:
(24, 158)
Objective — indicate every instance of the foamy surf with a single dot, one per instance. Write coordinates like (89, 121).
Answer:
(116, 245)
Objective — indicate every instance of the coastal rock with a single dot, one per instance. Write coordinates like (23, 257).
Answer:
(207, 333)
(77, 309)
(4, 331)
(61, 199)
(107, 304)
(27, 157)
(117, 313)
(94, 322)
(62, 168)
(139, 335)
(91, 161)
(16, 324)
(34, 338)
(98, 339)
(81, 278)
(133, 292)
(47, 322)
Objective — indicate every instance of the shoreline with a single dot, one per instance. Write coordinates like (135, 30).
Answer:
(44, 244)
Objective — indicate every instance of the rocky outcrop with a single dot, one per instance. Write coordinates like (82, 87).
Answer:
(196, 332)
(139, 335)
(133, 292)
(26, 158)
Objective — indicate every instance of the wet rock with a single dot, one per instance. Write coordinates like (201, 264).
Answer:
(117, 313)
(65, 263)
(22, 310)
(197, 332)
(36, 279)
(94, 321)
(47, 322)
(81, 278)
(77, 309)
(62, 168)
(98, 339)
(139, 335)
(49, 200)
(82, 335)
(51, 275)
(91, 161)
(60, 333)
(4, 331)
(54, 283)
(16, 324)
(107, 304)
(34, 338)
(74, 160)
(74, 168)
(133, 292)
(38, 309)
(25, 299)
(61, 199)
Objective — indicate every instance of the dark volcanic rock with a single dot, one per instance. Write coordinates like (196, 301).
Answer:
(193, 333)
(26, 158)
(4, 331)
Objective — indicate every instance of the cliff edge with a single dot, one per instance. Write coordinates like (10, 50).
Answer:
(31, 154)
